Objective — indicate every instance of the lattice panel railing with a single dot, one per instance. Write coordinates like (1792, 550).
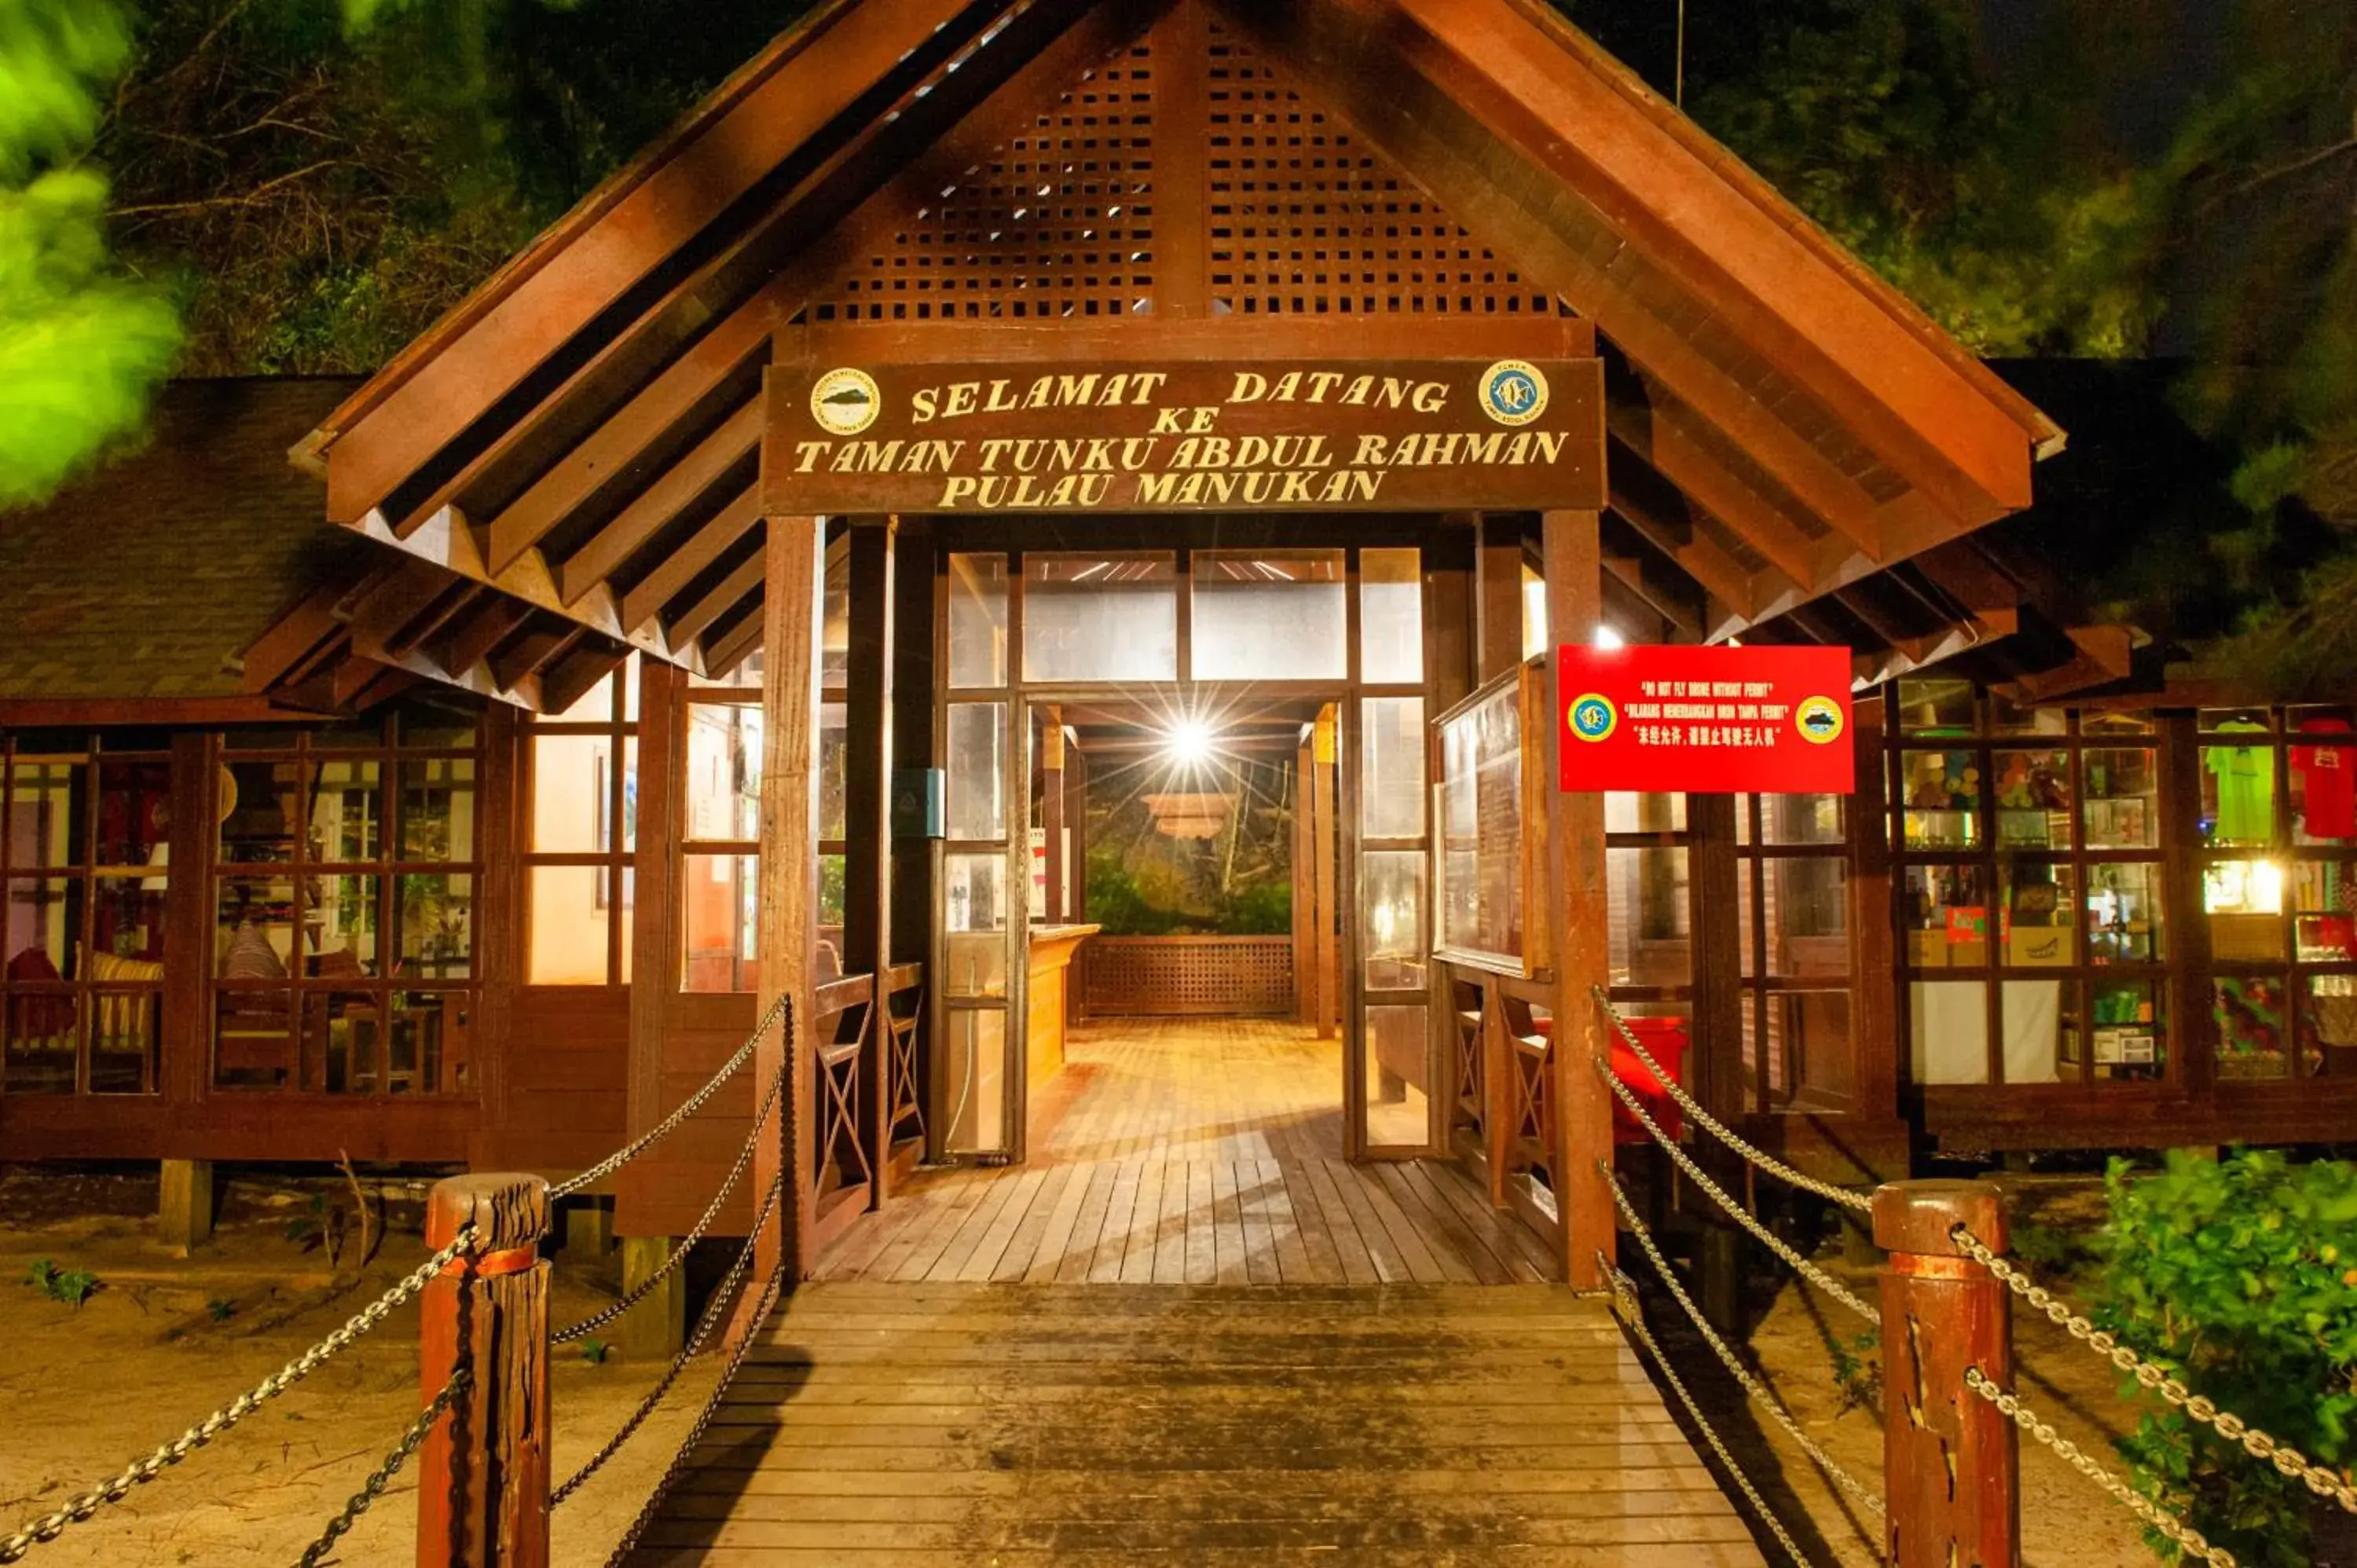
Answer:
(1307, 218)
(1471, 1033)
(1056, 224)
(1151, 976)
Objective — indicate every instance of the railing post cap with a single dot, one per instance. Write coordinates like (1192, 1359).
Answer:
(1917, 1216)
(507, 1209)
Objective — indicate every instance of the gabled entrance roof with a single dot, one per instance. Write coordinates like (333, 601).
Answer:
(583, 431)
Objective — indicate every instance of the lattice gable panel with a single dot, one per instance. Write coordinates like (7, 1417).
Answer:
(1300, 215)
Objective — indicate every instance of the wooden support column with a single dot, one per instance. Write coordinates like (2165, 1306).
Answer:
(1950, 1459)
(867, 824)
(653, 1330)
(656, 869)
(482, 1473)
(1051, 805)
(1305, 885)
(1575, 596)
(1321, 849)
(184, 1205)
(792, 621)
(1497, 598)
(1076, 821)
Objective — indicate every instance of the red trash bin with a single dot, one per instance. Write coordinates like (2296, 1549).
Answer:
(1665, 1040)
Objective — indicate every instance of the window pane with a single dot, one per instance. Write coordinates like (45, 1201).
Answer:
(571, 915)
(128, 920)
(2254, 1039)
(257, 811)
(1798, 819)
(2033, 799)
(2243, 900)
(1391, 897)
(2004, 718)
(1808, 916)
(2324, 898)
(977, 1080)
(2037, 900)
(44, 929)
(1092, 618)
(1948, 1026)
(347, 811)
(1808, 1049)
(1390, 780)
(2041, 1030)
(1534, 614)
(45, 814)
(1398, 1068)
(1936, 705)
(1628, 813)
(1945, 913)
(40, 1041)
(428, 1044)
(572, 794)
(834, 757)
(1275, 614)
(2238, 790)
(629, 926)
(1391, 615)
(254, 929)
(135, 812)
(976, 911)
(722, 908)
(343, 1042)
(437, 810)
(254, 1036)
(341, 928)
(977, 796)
(124, 1026)
(1941, 795)
(1481, 849)
(629, 807)
(2124, 915)
(834, 625)
(2125, 1031)
(2122, 802)
(2329, 1023)
(2324, 781)
(1649, 944)
(746, 676)
(724, 772)
(977, 593)
(434, 927)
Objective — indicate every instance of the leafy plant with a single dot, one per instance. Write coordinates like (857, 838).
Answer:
(220, 1310)
(2051, 1249)
(2239, 1276)
(595, 1351)
(71, 1286)
(1858, 1371)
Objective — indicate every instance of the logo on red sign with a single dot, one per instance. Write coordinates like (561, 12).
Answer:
(1757, 721)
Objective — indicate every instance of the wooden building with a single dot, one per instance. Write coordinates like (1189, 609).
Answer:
(471, 827)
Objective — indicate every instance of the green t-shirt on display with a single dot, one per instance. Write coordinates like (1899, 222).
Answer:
(2247, 788)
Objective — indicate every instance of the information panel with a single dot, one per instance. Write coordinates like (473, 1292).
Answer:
(1760, 721)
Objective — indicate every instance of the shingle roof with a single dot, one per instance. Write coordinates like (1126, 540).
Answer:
(145, 578)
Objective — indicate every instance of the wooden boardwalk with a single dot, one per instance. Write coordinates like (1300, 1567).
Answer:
(1088, 1426)
(1195, 1152)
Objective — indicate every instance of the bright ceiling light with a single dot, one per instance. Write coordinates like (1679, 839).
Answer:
(1188, 743)
(1608, 637)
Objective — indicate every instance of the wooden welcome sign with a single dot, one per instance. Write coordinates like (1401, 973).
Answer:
(1140, 430)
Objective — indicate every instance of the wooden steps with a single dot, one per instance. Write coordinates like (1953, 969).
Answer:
(876, 1426)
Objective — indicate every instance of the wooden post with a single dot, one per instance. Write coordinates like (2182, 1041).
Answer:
(482, 1474)
(1499, 602)
(1950, 1459)
(184, 1205)
(656, 1328)
(1051, 805)
(1305, 885)
(1330, 976)
(867, 826)
(792, 622)
(1576, 862)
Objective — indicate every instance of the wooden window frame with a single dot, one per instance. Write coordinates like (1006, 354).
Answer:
(617, 861)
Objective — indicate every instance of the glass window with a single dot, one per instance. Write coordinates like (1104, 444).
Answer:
(977, 616)
(1481, 826)
(976, 908)
(1628, 813)
(1266, 615)
(1398, 1072)
(2238, 787)
(2123, 1033)
(2033, 799)
(2123, 913)
(1940, 796)
(583, 823)
(572, 915)
(1948, 1028)
(2243, 900)
(720, 908)
(1648, 942)
(723, 784)
(2037, 900)
(1936, 706)
(1798, 818)
(437, 810)
(2255, 1040)
(1391, 617)
(2120, 805)
(976, 802)
(1391, 897)
(2323, 775)
(1390, 780)
(1100, 618)
(1946, 915)
(347, 811)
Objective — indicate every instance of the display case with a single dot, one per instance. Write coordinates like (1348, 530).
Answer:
(1490, 806)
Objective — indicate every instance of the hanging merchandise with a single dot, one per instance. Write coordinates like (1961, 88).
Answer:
(2246, 787)
(2327, 781)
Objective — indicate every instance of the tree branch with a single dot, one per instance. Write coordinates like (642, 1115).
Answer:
(242, 199)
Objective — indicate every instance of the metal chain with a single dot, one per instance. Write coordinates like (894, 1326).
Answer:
(1626, 1308)
(1758, 1156)
(598, 1319)
(1742, 1374)
(381, 1477)
(688, 1352)
(1773, 1242)
(664, 1128)
(2319, 1480)
(681, 1459)
(2143, 1507)
(77, 1508)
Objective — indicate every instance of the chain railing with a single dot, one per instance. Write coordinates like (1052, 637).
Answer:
(80, 1508)
(359, 1502)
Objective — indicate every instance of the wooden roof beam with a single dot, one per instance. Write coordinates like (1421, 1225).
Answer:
(401, 604)
(743, 640)
(1678, 458)
(1719, 573)
(734, 443)
(294, 639)
(535, 649)
(732, 591)
(643, 603)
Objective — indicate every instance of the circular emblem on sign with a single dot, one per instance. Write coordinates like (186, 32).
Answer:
(846, 401)
(1514, 392)
(1819, 719)
(1593, 716)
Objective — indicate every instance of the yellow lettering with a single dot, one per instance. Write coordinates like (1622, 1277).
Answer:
(808, 452)
(1370, 451)
(877, 456)
(1251, 387)
(1518, 450)
(1395, 392)
(1117, 388)
(1484, 448)
(1550, 444)
(1355, 395)
(1203, 418)
(1148, 384)
(1041, 391)
(962, 397)
(956, 492)
(1430, 396)
(1157, 489)
(1289, 386)
(1321, 383)
(1074, 391)
(921, 405)
(1000, 401)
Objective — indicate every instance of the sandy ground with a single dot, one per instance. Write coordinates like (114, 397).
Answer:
(2067, 1521)
(83, 1391)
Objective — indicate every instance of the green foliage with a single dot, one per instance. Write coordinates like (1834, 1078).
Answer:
(1858, 1371)
(2051, 1249)
(80, 346)
(2240, 1276)
(1116, 903)
(71, 1286)
(595, 1351)
(220, 1310)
